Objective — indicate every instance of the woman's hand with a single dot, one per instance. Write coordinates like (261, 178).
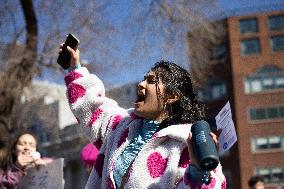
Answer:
(190, 150)
(75, 55)
(215, 139)
(39, 162)
(24, 161)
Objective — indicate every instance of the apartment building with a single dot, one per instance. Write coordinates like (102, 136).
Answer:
(247, 69)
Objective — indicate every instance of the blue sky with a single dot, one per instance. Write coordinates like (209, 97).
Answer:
(130, 69)
(135, 71)
(247, 6)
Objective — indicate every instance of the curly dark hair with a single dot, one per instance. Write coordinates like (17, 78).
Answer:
(177, 82)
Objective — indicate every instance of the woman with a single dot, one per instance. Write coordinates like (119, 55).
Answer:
(148, 147)
(23, 155)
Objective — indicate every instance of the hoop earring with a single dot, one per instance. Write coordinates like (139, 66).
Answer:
(165, 107)
(171, 110)
(165, 110)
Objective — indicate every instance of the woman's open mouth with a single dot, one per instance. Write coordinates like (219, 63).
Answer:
(140, 97)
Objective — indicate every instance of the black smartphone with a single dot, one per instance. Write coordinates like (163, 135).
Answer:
(64, 56)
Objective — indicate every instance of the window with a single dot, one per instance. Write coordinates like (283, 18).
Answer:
(256, 85)
(271, 174)
(260, 113)
(281, 110)
(265, 79)
(275, 142)
(279, 82)
(267, 83)
(213, 90)
(218, 91)
(248, 26)
(45, 138)
(261, 143)
(272, 113)
(220, 51)
(37, 127)
(276, 174)
(265, 174)
(276, 23)
(266, 113)
(250, 46)
(267, 143)
(277, 43)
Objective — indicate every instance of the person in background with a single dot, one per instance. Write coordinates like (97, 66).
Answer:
(3, 148)
(21, 156)
(148, 146)
(256, 182)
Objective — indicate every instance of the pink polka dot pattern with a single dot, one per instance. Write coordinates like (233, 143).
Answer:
(116, 121)
(71, 77)
(123, 137)
(224, 184)
(95, 115)
(110, 184)
(89, 154)
(184, 158)
(99, 164)
(210, 185)
(75, 91)
(156, 164)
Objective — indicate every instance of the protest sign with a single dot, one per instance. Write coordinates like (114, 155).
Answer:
(44, 177)
(224, 122)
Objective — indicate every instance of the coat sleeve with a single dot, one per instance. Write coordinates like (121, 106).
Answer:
(11, 178)
(96, 113)
(217, 180)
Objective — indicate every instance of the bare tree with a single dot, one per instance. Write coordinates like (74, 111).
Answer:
(203, 42)
(19, 68)
(168, 23)
(28, 49)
